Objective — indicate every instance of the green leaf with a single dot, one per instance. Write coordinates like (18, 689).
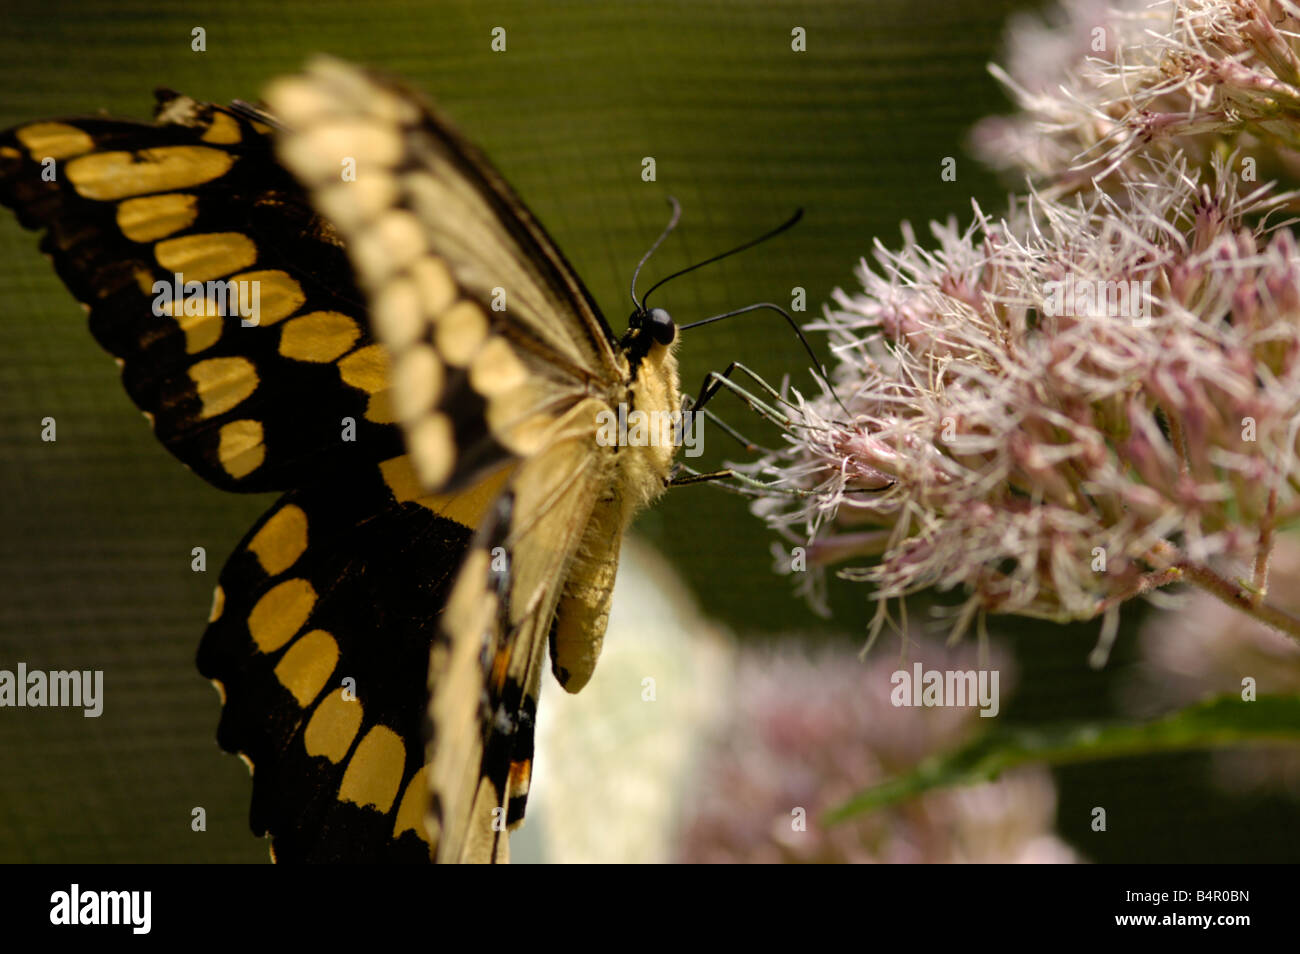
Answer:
(1225, 720)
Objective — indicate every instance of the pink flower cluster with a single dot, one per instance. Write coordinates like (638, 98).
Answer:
(1061, 409)
(1103, 86)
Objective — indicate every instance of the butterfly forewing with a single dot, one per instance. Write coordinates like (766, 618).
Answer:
(478, 309)
(250, 402)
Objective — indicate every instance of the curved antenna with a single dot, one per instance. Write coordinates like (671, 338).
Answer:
(820, 369)
(255, 113)
(672, 224)
(788, 223)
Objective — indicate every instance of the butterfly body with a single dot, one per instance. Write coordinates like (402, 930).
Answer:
(424, 381)
(640, 474)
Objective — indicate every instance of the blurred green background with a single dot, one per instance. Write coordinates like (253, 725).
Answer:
(96, 529)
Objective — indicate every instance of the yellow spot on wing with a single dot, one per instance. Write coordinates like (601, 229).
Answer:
(350, 205)
(347, 85)
(436, 285)
(152, 217)
(500, 667)
(282, 539)
(218, 604)
(497, 369)
(307, 665)
(319, 336)
(467, 507)
(54, 140)
(471, 606)
(280, 613)
(241, 450)
(392, 243)
(279, 294)
(300, 101)
(521, 774)
(316, 155)
(461, 331)
(224, 131)
(410, 813)
(116, 175)
(198, 258)
(417, 381)
(222, 383)
(380, 408)
(201, 331)
(400, 478)
(143, 280)
(433, 448)
(366, 369)
(332, 727)
(396, 313)
(374, 772)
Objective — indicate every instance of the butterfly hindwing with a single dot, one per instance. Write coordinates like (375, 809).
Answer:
(320, 640)
(485, 671)
(199, 195)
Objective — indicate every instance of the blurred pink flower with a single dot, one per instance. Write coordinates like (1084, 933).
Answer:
(804, 731)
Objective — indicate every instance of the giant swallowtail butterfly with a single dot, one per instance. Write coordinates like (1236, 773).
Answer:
(355, 267)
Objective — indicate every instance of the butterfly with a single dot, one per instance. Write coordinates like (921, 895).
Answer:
(340, 299)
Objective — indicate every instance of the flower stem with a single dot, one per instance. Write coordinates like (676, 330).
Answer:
(1265, 550)
(1231, 594)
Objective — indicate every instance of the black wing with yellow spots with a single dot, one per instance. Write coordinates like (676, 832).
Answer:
(319, 637)
(342, 582)
(126, 206)
(449, 511)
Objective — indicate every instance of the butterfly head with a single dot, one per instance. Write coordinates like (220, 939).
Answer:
(649, 332)
(657, 323)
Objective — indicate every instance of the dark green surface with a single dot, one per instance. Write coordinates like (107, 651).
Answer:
(97, 529)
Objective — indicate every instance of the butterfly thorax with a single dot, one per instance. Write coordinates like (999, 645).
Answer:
(654, 389)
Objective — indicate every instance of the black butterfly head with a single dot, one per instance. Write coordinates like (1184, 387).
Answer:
(647, 327)
(658, 324)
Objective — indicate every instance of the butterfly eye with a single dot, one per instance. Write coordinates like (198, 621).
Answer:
(661, 326)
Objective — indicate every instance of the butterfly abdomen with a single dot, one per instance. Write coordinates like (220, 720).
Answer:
(641, 473)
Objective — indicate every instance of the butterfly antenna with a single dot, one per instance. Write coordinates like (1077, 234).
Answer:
(819, 368)
(788, 223)
(255, 113)
(672, 224)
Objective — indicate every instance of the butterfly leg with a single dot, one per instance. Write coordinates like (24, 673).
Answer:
(714, 382)
(688, 475)
(745, 486)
